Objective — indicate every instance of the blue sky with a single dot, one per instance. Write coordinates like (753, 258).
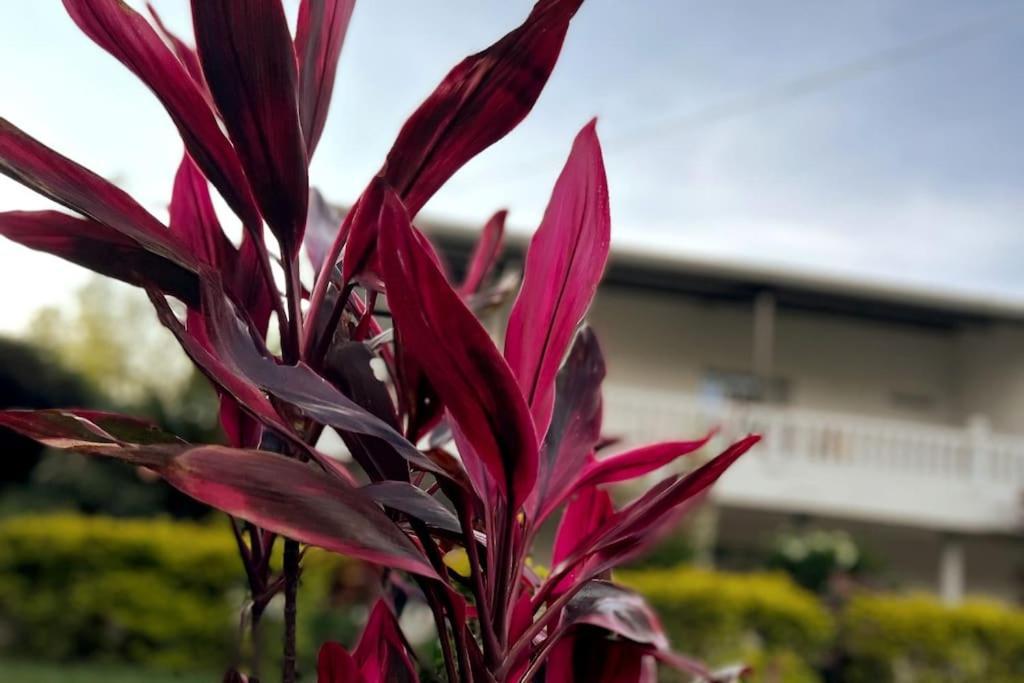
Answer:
(869, 138)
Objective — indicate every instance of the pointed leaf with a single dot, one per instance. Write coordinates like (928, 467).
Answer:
(101, 249)
(587, 512)
(382, 654)
(335, 665)
(480, 100)
(41, 169)
(249, 63)
(564, 264)
(292, 499)
(575, 425)
(129, 38)
(297, 385)
(636, 462)
(319, 37)
(71, 428)
(194, 220)
(458, 357)
(185, 54)
(415, 502)
(617, 610)
(485, 254)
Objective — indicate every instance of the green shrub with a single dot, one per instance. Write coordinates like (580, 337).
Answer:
(152, 592)
(894, 639)
(762, 619)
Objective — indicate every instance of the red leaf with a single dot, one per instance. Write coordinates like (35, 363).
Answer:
(361, 229)
(588, 511)
(414, 502)
(563, 267)
(485, 254)
(65, 182)
(292, 499)
(319, 37)
(480, 100)
(128, 37)
(457, 356)
(576, 423)
(382, 653)
(617, 610)
(194, 220)
(76, 429)
(249, 63)
(100, 249)
(297, 385)
(636, 462)
(335, 665)
(185, 54)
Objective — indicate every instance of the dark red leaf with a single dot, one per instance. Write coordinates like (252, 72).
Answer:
(101, 249)
(73, 428)
(296, 385)
(382, 654)
(457, 355)
(319, 37)
(586, 512)
(361, 229)
(65, 182)
(249, 63)
(335, 665)
(194, 220)
(563, 267)
(614, 609)
(415, 502)
(575, 424)
(185, 54)
(480, 100)
(128, 37)
(485, 254)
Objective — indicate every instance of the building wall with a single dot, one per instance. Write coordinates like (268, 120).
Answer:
(829, 362)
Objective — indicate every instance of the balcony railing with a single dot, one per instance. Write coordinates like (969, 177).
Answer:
(842, 463)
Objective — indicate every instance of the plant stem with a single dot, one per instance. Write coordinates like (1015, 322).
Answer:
(491, 650)
(291, 588)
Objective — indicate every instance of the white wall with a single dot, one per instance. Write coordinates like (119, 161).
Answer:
(831, 362)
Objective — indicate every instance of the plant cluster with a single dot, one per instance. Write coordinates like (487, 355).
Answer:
(461, 445)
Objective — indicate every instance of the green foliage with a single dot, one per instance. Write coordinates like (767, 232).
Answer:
(155, 593)
(36, 672)
(762, 619)
(890, 639)
(813, 557)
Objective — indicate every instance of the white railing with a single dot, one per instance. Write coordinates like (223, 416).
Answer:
(832, 450)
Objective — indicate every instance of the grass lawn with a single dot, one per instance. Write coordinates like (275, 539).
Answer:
(26, 672)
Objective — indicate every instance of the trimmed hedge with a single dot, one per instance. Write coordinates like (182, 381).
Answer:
(889, 639)
(152, 592)
(763, 619)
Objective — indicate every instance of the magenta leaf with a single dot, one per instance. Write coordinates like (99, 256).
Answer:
(101, 249)
(194, 220)
(383, 656)
(128, 37)
(586, 512)
(319, 37)
(563, 267)
(485, 254)
(361, 229)
(480, 100)
(185, 54)
(457, 355)
(293, 499)
(575, 425)
(335, 665)
(78, 429)
(41, 169)
(249, 63)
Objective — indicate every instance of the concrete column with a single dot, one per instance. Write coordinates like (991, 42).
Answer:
(764, 334)
(952, 570)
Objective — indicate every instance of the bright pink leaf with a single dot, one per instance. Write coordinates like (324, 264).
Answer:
(480, 100)
(335, 665)
(457, 355)
(319, 37)
(382, 654)
(565, 262)
(128, 37)
(249, 63)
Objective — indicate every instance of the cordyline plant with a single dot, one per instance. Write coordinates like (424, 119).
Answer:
(463, 448)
